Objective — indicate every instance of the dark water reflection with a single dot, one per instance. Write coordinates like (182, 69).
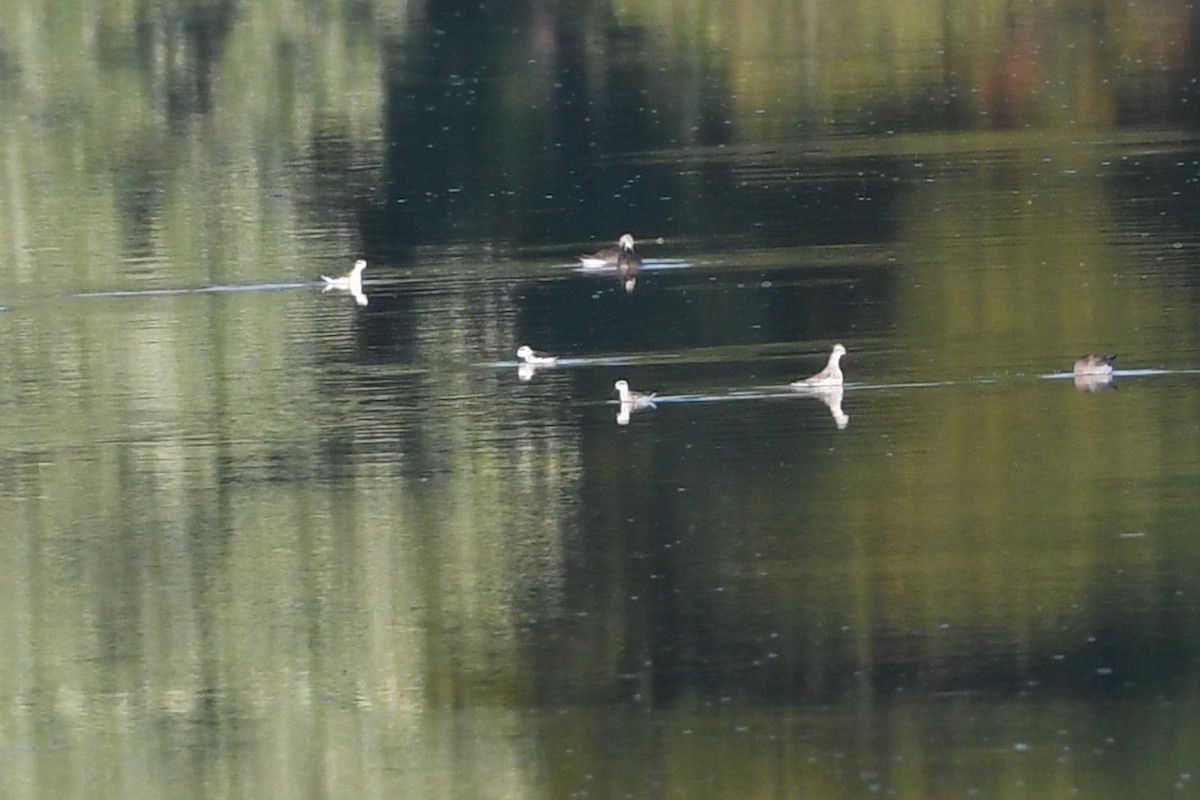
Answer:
(270, 541)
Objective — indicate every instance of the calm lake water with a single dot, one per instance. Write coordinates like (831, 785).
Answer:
(261, 540)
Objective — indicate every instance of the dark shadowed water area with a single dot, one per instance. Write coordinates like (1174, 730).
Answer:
(264, 540)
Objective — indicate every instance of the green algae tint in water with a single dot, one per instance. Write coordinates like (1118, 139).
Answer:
(264, 541)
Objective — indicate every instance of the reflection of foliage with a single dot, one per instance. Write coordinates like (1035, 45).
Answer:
(191, 108)
(239, 130)
(860, 66)
(487, 133)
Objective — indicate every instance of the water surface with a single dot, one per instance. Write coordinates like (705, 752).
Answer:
(261, 540)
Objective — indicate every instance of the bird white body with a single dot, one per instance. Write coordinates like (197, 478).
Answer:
(350, 282)
(827, 378)
(528, 355)
(632, 398)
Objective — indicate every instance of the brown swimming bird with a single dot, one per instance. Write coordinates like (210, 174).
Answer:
(608, 256)
(1094, 365)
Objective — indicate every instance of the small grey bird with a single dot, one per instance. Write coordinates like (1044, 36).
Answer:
(827, 378)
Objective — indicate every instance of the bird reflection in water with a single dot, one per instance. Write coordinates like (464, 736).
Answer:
(832, 397)
(1094, 384)
(628, 267)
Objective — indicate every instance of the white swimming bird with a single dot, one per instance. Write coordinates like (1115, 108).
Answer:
(350, 282)
(632, 398)
(827, 378)
(528, 355)
(631, 401)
